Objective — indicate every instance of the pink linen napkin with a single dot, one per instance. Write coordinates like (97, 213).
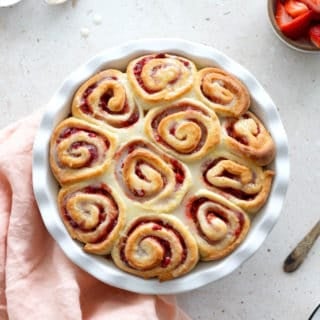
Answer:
(37, 281)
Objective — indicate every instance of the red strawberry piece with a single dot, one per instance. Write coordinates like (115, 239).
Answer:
(314, 5)
(314, 33)
(295, 8)
(293, 28)
(282, 17)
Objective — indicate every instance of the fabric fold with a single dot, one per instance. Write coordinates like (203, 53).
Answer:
(36, 279)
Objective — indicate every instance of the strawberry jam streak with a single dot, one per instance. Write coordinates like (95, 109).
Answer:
(172, 130)
(239, 194)
(70, 131)
(216, 98)
(139, 172)
(176, 109)
(103, 190)
(137, 70)
(91, 148)
(157, 225)
(175, 165)
(67, 133)
(103, 104)
(193, 207)
(79, 144)
(179, 172)
(235, 135)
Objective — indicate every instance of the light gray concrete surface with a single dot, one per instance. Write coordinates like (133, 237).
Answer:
(40, 45)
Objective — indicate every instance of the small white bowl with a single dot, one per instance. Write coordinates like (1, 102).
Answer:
(46, 188)
(54, 2)
(7, 3)
(302, 45)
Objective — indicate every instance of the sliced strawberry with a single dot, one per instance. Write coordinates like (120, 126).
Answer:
(298, 27)
(295, 8)
(282, 17)
(293, 28)
(315, 16)
(314, 33)
(314, 5)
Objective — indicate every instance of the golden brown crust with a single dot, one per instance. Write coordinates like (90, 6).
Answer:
(222, 92)
(150, 178)
(246, 136)
(157, 245)
(218, 225)
(106, 99)
(160, 77)
(239, 180)
(186, 129)
(79, 150)
(93, 214)
(148, 172)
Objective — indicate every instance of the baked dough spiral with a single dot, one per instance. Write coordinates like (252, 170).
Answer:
(222, 92)
(218, 225)
(160, 77)
(105, 98)
(93, 214)
(157, 245)
(238, 180)
(246, 136)
(79, 150)
(161, 165)
(150, 178)
(186, 129)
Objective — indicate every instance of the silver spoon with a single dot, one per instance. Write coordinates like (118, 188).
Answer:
(315, 314)
(296, 257)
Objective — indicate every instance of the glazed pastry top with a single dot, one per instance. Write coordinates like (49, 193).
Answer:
(161, 165)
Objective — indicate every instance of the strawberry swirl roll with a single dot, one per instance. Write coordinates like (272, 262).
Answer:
(222, 92)
(106, 99)
(246, 136)
(161, 165)
(93, 214)
(157, 245)
(79, 150)
(160, 77)
(218, 225)
(186, 129)
(150, 178)
(238, 180)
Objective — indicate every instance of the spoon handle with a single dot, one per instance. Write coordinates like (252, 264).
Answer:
(296, 257)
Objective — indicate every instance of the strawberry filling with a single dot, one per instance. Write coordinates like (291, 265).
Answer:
(139, 193)
(214, 212)
(107, 229)
(156, 225)
(70, 131)
(103, 104)
(176, 109)
(230, 129)
(137, 70)
(179, 172)
(91, 148)
(239, 194)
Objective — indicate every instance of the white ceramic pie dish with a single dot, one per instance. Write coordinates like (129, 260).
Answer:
(7, 3)
(46, 187)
